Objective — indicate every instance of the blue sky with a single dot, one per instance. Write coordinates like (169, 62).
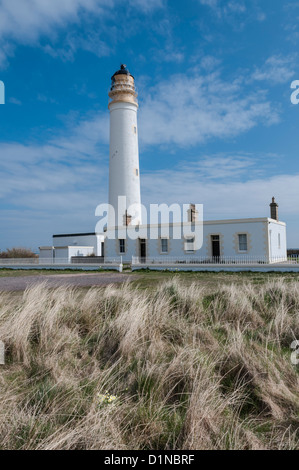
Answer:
(216, 124)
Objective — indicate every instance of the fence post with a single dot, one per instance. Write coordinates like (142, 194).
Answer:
(121, 265)
(2, 353)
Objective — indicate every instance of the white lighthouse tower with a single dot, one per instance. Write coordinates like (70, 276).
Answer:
(124, 174)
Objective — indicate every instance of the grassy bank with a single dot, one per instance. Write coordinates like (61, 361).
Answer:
(176, 366)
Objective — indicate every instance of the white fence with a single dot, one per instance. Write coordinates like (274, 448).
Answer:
(58, 262)
(137, 261)
(293, 259)
(196, 260)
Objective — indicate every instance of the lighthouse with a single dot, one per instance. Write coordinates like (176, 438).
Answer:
(130, 239)
(124, 173)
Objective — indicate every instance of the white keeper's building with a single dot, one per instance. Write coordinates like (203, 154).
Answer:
(257, 239)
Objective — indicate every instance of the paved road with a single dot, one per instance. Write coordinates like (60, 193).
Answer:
(78, 280)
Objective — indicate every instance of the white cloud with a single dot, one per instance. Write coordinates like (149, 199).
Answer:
(210, 3)
(232, 190)
(6, 51)
(210, 63)
(55, 186)
(261, 16)
(220, 167)
(192, 108)
(90, 42)
(224, 8)
(26, 22)
(13, 100)
(277, 69)
(32, 174)
(291, 21)
(146, 5)
(169, 54)
(236, 6)
(222, 200)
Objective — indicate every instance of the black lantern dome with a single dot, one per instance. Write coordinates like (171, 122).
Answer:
(122, 71)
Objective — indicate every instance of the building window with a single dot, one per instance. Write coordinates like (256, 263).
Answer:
(279, 242)
(137, 172)
(135, 130)
(164, 245)
(243, 245)
(122, 246)
(189, 245)
(215, 241)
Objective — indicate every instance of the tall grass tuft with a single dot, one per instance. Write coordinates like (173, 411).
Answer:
(188, 368)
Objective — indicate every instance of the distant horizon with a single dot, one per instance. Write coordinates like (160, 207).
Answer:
(216, 122)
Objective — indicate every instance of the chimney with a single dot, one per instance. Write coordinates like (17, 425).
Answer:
(192, 213)
(274, 209)
(127, 219)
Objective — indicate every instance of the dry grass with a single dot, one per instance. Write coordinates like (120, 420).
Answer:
(192, 369)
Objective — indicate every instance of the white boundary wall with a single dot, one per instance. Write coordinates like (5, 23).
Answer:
(221, 268)
(60, 264)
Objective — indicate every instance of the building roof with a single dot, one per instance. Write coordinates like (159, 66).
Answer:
(74, 235)
(205, 222)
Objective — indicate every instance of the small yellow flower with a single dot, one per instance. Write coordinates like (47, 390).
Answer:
(106, 399)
